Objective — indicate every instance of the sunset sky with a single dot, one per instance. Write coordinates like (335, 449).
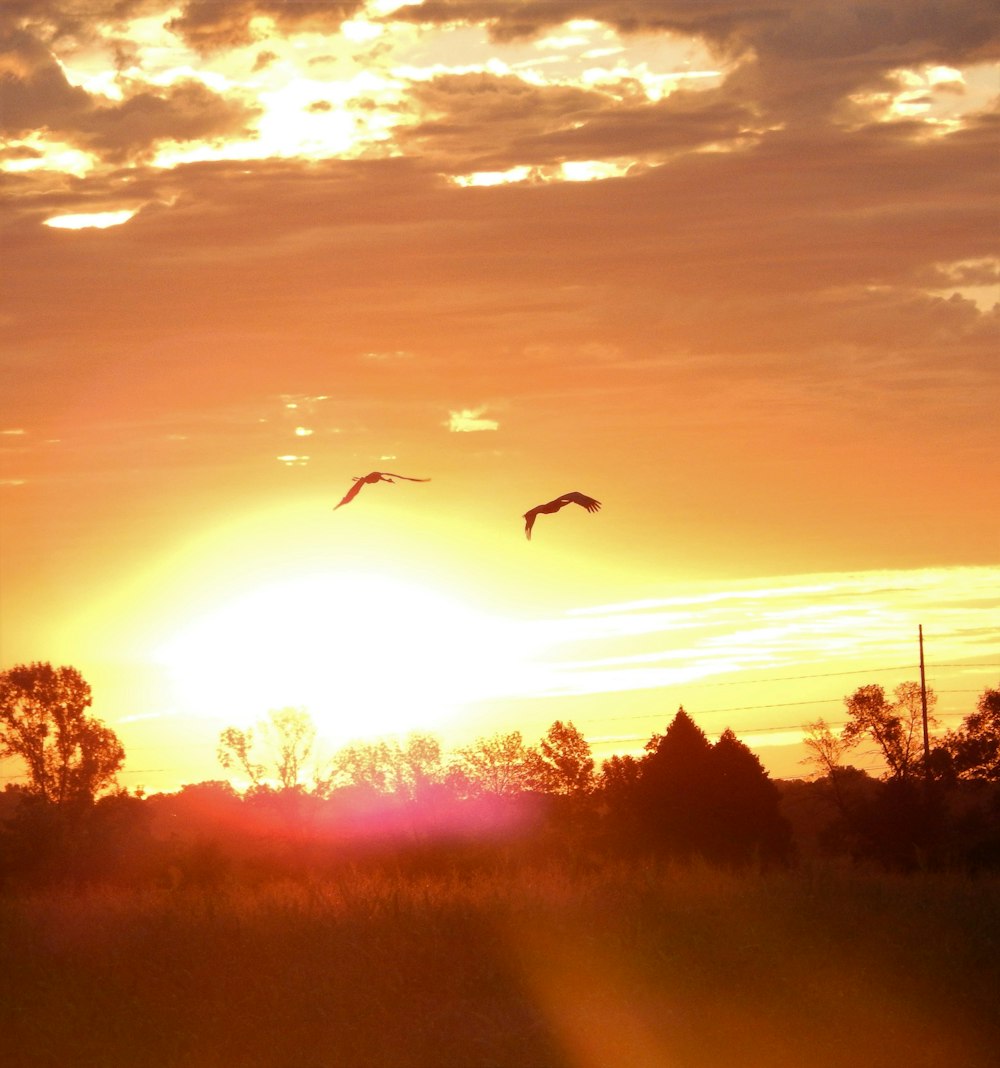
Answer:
(730, 268)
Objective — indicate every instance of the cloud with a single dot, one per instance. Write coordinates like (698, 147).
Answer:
(468, 420)
(485, 122)
(36, 95)
(212, 25)
(797, 58)
(790, 254)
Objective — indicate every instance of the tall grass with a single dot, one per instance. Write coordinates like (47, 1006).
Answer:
(529, 966)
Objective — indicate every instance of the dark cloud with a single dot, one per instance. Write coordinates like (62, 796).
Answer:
(74, 22)
(484, 122)
(806, 28)
(738, 253)
(799, 57)
(264, 60)
(34, 91)
(211, 25)
(186, 111)
(36, 95)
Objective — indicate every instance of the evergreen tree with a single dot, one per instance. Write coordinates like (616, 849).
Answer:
(675, 789)
(746, 819)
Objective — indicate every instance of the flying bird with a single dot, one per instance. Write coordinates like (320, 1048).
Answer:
(373, 477)
(553, 506)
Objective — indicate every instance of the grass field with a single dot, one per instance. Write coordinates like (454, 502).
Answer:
(531, 967)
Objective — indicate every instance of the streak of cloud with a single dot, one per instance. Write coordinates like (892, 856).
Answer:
(470, 420)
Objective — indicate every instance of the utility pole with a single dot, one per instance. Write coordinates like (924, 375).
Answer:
(923, 704)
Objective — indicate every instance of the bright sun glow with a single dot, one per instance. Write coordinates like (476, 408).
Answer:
(99, 220)
(365, 655)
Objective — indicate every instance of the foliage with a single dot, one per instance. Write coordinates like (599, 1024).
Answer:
(825, 748)
(895, 727)
(288, 736)
(499, 766)
(746, 805)
(673, 794)
(70, 756)
(974, 747)
(387, 767)
(687, 797)
(234, 751)
(618, 777)
(567, 764)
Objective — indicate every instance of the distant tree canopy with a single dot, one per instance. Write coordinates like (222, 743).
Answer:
(566, 764)
(825, 749)
(498, 766)
(69, 755)
(405, 769)
(688, 797)
(974, 748)
(896, 727)
(288, 736)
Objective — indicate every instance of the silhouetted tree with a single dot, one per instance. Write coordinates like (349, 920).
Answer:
(895, 726)
(617, 788)
(566, 765)
(618, 778)
(501, 766)
(387, 767)
(421, 765)
(825, 748)
(974, 747)
(69, 755)
(747, 822)
(825, 752)
(674, 788)
(289, 735)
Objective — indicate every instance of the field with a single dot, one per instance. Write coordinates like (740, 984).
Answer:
(527, 967)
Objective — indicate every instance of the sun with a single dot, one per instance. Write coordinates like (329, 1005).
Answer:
(365, 654)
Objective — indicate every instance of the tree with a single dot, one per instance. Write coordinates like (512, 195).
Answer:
(501, 766)
(289, 734)
(974, 747)
(618, 778)
(70, 756)
(674, 788)
(826, 750)
(566, 765)
(386, 767)
(746, 806)
(234, 750)
(825, 747)
(895, 727)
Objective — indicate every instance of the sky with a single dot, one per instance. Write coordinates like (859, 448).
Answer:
(730, 268)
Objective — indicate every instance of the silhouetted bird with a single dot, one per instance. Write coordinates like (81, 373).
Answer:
(373, 476)
(553, 506)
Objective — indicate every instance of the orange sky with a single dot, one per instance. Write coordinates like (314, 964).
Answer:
(730, 268)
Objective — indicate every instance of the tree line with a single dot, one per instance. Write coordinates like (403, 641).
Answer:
(683, 797)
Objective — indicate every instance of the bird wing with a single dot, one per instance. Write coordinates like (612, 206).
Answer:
(351, 493)
(576, 497)
(407, 477)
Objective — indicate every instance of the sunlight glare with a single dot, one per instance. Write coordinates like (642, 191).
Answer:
(365, 654)
(99, 220)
